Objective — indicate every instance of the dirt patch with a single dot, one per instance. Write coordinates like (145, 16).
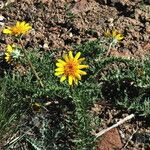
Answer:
(61, 24)
(133, 134)
(111, 140)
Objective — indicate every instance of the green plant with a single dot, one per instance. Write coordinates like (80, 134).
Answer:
(65, 120)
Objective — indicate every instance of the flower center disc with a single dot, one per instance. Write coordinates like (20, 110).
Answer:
(16, 30)
(70, 68)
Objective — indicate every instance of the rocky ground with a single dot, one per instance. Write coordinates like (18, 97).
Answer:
(64, 23)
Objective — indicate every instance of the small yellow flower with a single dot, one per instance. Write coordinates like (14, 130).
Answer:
(8, 53)
(116, 36)
(11, 53)
(19, 29)
(70, 67)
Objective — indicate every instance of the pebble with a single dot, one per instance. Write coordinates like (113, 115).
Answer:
(110, 20)
(70, 34)
(45, 46)
(147, 26)
(1, 18)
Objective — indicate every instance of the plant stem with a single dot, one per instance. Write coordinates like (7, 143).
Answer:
(108, 52)
(31, 65)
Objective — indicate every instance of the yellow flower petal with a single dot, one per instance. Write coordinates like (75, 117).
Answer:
(78, 76)
(70, 55)
(22, 23)
(7, 58)
(61, 61)
(77, 55)
(81, 59)
(27, 25)
(70, 80)
(18, 23)
(81, 72)
(76, 81)
(62, 78)
(59, 69)
(7, 54)
(119, 37)
(58, 73)
(7, 31)
(66, 58)
(9, 49)
(82, 66)
(59, 64)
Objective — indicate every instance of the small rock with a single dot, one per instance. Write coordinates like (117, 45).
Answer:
(1, 18)
(70, 35)
(147, 27)
(110, 20)
(2, 24)
(45, 46)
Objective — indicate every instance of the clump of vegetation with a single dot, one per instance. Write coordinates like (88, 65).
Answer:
(45, 113)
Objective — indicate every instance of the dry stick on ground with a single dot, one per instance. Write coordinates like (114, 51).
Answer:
(31, 66)
(115, 125)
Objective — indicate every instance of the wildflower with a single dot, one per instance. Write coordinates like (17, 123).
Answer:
(11, 53)
(36, 107)
(70, 67)
(116, 36)
(19, 29)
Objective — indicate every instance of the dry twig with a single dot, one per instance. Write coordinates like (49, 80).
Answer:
(115, 125)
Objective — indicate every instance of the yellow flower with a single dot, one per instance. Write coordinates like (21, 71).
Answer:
(19, 29)
(70, 68)
(11, 52)
(116, 36)
(8, 53)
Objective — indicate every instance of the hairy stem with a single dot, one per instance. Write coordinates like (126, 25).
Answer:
(31, 65)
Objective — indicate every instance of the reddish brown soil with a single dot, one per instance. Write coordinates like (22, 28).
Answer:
(131, 135)
(60, 24)
(111, 140)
